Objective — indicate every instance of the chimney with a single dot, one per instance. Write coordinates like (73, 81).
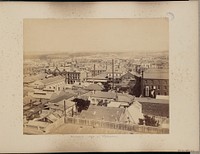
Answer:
(31, 103)
(112, 73)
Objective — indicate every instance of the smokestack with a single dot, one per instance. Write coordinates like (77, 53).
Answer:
(94, 73)
(112, 73)
(94, 70)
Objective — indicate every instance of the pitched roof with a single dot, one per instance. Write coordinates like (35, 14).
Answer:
(135, 111)
(111, 114)
(33, 78)
(114, 104)
(94, 87)
(101, 94)
(151, 100)
(128, 74)
(42, 95)
(156, 75)
(63, 95)
(101, 76)
(51, 80)
(125, 98)
(37, 123)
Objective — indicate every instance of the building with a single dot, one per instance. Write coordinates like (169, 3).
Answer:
(128, 76)
(61, 102)
(133, 113)
(156, 80)
(116, 77)
(155, 107)
(97, 71)
(54, 83)
(32, 78)
(101, 78)
(72, 77)
(100, 97)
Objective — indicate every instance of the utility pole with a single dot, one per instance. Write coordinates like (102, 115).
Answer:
(65, 112)
(142, 86)
(94, 73)
(112, 74)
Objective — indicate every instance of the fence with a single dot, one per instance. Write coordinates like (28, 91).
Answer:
(120, 126)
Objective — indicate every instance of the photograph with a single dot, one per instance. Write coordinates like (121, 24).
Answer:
(96, 76)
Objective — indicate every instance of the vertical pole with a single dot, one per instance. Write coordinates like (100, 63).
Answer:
(112, 74)
(142, 87)
(64, 111)
(94, 73)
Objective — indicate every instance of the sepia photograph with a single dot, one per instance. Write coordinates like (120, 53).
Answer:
(99, 77)
(96, 76)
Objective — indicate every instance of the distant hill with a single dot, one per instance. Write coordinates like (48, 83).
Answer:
(93, 53)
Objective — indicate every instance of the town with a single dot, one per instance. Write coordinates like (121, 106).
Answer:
(96, 93)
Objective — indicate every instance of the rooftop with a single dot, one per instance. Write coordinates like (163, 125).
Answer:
(156, 75)
(33, 78)
(37, 123)
(151, 100)
(62, 96)
(53, 79)
(125, 98)
(94, 87)
(111, 114)
(101, 94)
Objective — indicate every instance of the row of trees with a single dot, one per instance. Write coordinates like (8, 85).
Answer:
(149, 121)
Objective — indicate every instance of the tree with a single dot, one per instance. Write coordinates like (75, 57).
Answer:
(107, 86)
(149, 121)
(136, 90)
(81, 104)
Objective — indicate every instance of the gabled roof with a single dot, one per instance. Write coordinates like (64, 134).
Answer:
(135, 112)
(128, 74)
(101, 94)
(96, 87)
(111, 114)
(151, 100)
(52, 80)
(63, 95)
(125, 98)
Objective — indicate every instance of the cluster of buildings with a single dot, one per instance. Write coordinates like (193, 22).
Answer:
(52, 91)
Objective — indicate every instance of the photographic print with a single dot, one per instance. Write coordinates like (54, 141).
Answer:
(96, 76)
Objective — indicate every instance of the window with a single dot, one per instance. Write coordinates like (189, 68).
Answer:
(158, 87)
(165, 93)
(147, 91)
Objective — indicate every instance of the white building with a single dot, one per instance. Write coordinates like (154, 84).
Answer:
(55, 83)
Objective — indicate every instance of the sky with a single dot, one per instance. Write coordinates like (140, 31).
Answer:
(43, 36)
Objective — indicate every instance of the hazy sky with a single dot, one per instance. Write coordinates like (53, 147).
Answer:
(76, 35)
